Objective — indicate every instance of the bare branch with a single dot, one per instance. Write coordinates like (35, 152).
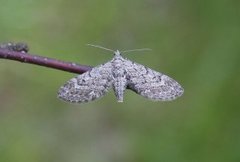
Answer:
(43, 61)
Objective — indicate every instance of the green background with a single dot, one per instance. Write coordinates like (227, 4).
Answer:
(195, 42)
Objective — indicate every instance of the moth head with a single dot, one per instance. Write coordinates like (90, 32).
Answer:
(117, 53)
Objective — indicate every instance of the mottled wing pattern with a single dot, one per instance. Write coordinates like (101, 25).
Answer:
(151, 84)
(88, 86)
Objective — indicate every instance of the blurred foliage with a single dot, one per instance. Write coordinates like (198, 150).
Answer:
(195, 42)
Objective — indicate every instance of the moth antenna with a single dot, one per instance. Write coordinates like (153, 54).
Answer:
(97, 46)
(141, 49)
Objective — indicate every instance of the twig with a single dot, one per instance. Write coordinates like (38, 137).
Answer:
(43, 61)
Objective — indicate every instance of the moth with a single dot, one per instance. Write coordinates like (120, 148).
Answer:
(120, 74)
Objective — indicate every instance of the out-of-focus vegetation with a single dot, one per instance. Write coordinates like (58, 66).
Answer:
(195, 42)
